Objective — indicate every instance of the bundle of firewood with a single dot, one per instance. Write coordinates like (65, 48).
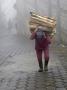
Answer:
(44, 21)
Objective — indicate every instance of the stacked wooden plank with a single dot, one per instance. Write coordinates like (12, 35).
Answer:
(37, 20)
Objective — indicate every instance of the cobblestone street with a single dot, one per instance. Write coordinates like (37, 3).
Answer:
(18, 66)
(18, 61)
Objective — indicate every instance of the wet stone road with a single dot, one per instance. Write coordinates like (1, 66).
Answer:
(18, 66)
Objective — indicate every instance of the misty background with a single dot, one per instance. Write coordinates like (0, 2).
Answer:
(7, 17)
(15, 15)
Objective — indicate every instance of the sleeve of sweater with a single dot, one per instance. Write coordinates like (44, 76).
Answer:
(33, 35)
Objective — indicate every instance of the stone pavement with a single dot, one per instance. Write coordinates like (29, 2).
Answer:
(19, 72)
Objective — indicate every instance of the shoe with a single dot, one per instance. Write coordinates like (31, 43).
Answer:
(40, 70)
(46, 68)
(46, 65)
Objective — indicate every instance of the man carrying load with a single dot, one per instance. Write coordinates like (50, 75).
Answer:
(42, 41)
(42, 31)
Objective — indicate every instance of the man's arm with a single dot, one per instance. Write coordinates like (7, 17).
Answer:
(33, 36)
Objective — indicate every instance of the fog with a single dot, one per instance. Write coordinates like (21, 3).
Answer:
(15, 15)
(23, 13)
(7, 17)
(52, 8)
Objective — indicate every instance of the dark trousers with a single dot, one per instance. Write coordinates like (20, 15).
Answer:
(39, 56)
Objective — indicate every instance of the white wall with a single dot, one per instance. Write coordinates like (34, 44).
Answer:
(63, 9)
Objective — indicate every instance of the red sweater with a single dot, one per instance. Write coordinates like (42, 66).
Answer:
(42, 44)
